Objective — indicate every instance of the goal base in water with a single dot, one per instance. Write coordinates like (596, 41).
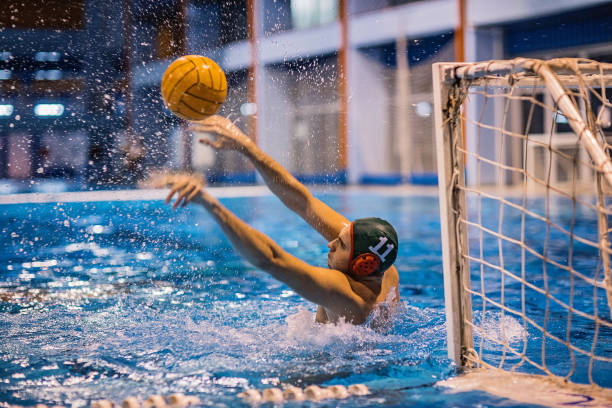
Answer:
(529, 389)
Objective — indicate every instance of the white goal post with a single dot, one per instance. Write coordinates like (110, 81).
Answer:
(525, 177)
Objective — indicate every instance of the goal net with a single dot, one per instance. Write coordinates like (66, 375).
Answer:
(525, 176)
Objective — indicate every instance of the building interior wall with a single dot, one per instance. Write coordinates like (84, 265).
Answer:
(369, 130)
(274, 119)
(390, 133)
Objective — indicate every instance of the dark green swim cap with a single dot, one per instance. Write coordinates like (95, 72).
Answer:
(374, 236)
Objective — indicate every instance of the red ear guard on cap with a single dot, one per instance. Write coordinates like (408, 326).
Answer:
(373, 246)
(364, 264)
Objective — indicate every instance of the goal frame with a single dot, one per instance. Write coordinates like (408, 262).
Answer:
(554, 75)
(457, 303)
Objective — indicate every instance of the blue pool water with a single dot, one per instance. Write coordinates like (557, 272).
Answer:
(112, 299)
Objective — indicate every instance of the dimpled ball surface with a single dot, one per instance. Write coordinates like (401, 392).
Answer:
(194, 87)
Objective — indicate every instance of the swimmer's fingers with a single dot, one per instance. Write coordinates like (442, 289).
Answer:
(213, 129)
(177, 184)
(215, 121)
(180, 197)
(209, 120)
(199, 128)
(215, 145)
(222, 143)
(191, 196)
(185, 184)
(223, 129)
(187, 193)
(172, 192)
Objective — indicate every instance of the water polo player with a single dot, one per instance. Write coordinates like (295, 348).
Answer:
(361, 274)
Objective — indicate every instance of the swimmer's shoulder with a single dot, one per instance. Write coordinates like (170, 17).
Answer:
(390, 282)
(382, 313)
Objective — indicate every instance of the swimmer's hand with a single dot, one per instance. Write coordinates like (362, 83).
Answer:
(228, 136)
(188, 187)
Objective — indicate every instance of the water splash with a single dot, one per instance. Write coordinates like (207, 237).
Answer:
(498, 328)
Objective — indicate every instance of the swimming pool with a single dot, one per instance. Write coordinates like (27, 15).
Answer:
(112, 299)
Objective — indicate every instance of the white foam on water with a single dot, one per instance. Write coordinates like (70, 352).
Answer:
(210, 347)
(499, 328)
(303, 330)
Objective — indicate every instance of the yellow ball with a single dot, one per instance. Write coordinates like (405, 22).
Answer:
(194, 87)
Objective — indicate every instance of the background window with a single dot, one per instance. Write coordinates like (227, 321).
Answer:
(309, 13)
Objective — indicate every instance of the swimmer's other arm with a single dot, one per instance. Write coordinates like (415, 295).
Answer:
(291, 192)
(326, 287)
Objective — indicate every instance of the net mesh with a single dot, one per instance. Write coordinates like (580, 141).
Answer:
(530, 188)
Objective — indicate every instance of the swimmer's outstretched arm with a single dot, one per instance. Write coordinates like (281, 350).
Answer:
(326, 287)
(291, 192)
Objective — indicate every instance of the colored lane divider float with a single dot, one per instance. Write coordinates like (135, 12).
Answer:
(311, 393)
(250, 396)
(177, 400)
